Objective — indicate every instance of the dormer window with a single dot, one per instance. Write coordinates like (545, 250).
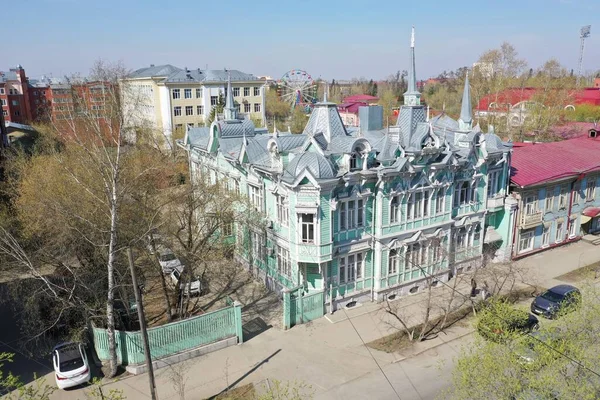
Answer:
(354, 161)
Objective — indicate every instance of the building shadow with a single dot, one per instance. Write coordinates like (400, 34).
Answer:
(241, 378)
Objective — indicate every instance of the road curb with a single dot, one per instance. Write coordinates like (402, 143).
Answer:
(433, 347)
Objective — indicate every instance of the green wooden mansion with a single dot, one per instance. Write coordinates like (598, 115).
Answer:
(363, 212)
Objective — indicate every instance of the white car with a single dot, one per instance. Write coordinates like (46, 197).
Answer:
(167, 259)
(191, 287)
(70, 365)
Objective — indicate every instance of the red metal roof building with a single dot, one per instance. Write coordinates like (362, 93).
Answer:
(361, 98)
(554, 186)
(537, 163)
(510, 97)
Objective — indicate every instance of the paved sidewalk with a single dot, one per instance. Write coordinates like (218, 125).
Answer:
(329, 353)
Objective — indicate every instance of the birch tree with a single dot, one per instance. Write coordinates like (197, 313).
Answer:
(93, 195)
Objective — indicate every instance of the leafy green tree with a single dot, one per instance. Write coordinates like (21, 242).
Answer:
(218, 109)
(557, 362)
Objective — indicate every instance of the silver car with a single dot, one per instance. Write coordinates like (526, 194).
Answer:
(167, 260)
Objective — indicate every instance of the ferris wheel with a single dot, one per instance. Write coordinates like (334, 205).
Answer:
(298, 88)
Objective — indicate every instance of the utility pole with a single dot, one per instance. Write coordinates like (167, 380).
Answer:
(142, 318)
(584, 34)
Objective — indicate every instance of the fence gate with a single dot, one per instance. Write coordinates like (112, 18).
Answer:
(299, 308)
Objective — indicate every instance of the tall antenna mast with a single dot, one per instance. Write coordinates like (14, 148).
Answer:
(584, 34)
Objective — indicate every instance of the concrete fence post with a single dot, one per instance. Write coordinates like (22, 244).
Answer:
(237, 316)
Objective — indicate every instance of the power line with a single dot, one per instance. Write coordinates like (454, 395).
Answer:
(374, 359)
(498, 316)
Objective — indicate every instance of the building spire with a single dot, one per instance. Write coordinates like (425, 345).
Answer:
(412, 97)
(230, 112)
(466, 118)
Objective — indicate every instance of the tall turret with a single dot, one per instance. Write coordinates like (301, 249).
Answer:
(412, 97)
(230, 111)
(465, 122)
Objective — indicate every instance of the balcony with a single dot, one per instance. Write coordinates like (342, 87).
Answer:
(531, 220)
(495, 202)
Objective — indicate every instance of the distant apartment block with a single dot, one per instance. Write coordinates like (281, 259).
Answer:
(171, 98)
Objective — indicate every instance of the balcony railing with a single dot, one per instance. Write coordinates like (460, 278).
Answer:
(531, 220)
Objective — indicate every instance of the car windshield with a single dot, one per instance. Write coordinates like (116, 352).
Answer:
(553, 296)
(70, 358)
(167, 257)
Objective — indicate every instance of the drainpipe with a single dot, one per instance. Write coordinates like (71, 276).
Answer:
(373, 236)
(579, 178)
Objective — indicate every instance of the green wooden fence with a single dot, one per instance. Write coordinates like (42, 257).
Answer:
(175, 337)
(299, 309)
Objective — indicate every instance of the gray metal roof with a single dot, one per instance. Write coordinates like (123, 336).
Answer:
(325, 119)
(318, 165)
(199, 137)
(210, 75)
(154, 71)
(289, 141)
(8, 76)
(236, 128)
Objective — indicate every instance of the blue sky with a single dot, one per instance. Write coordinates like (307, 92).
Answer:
(330, 39)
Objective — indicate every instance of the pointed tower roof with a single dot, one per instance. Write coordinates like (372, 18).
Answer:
(466, 116)
(412, 97)
(229, 111)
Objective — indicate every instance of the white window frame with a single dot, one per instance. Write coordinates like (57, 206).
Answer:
(189, 110)
(214, 100)
(256, 107)
(176, 93)
(256, 91)
(236, 92)
(283, 212)
(549, 203)
(494, 183)
(590, 189)
(393, 261)
(559, 232)
(200, 110)
(418, 204)
(572, 228)
(246, 91)
(2, 91)
(308, 226)
(526, 237)
(3, 101)
(530, 204)
(351, 268)
(187, 93)
(545, 236)
(351, 214)
(256, 197)
(284, 263)
(415, 256)
(247, 107)
(562, 197)
(199, 93)
(440, 201)
(258, 246)
(177, 111)
(576, 192)
(395, 209)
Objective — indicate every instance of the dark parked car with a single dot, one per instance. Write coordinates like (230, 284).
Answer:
(556, 301)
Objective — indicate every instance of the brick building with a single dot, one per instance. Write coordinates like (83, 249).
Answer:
(14, 96)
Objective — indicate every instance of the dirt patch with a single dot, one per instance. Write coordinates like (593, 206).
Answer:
(245, 392)
(589, 272)
(400, 340)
